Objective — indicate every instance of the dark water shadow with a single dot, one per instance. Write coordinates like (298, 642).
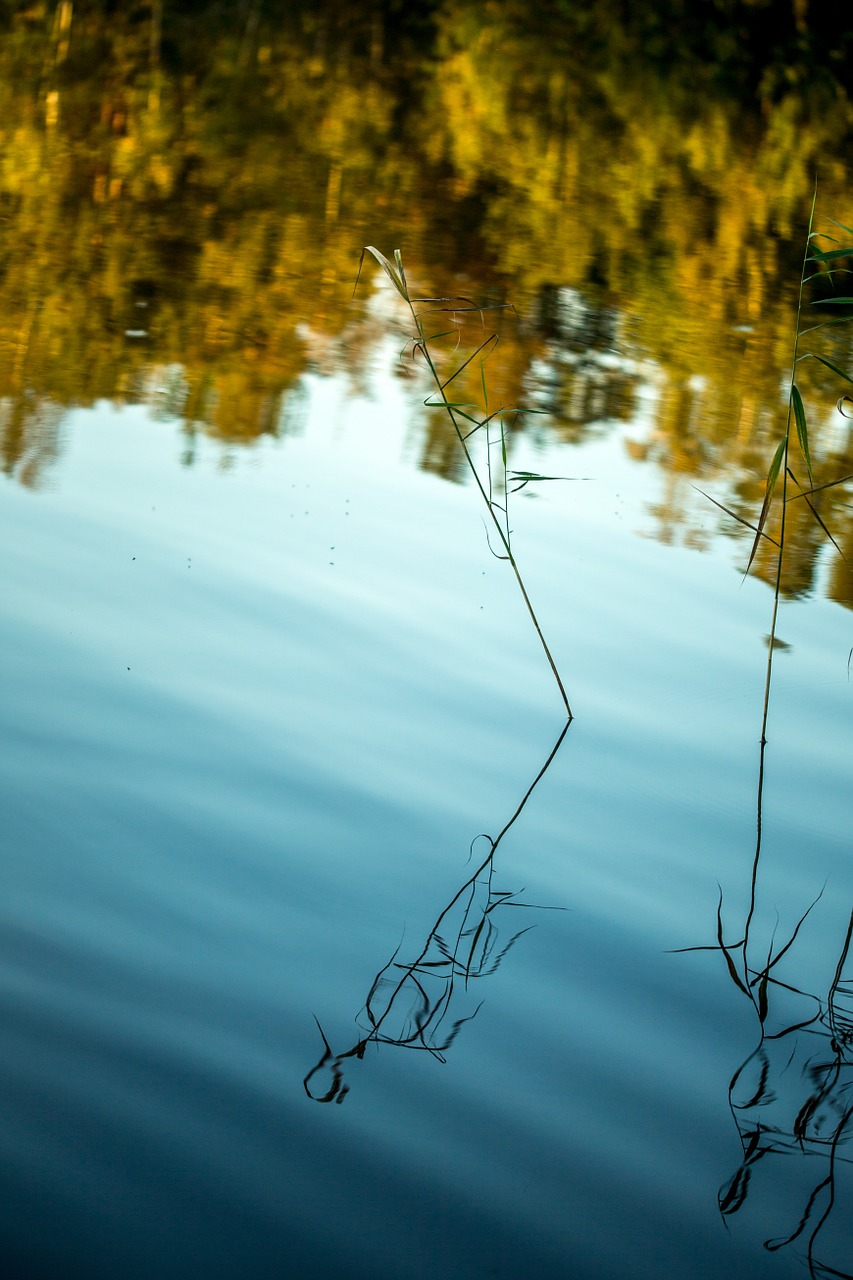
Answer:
(422, 1003)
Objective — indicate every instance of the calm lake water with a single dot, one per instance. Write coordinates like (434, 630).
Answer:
(271, 702)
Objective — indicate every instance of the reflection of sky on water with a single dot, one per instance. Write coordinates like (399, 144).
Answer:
(252, 720)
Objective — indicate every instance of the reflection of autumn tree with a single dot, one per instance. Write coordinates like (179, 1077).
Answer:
(143, 224)
(29, 436)
(189, 186)
(681, 205)
(838, 513)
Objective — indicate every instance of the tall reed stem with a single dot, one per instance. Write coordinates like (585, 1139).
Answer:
(777, 588)
(397, 276)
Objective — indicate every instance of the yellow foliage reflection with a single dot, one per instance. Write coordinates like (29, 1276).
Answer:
(190, 192)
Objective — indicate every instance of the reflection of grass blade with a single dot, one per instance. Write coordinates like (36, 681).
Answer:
(837, 987)
(830, 1183)
(730, 964)
(496, 963)
(760, 1092)
(408, 1004)
(476, 938)
(456, 1028)
(805, 1115)
(762, 997)
(779, 954)
(773, 1245)
(733, 1195)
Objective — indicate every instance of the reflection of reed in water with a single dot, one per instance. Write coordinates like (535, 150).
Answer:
(422, 1003)
(793, 1096)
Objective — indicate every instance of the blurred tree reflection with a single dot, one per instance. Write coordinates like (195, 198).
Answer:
(189, 186)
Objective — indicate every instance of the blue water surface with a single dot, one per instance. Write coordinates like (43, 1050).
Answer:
(255, 713)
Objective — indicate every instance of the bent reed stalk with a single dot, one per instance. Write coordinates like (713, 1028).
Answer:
(464, 424)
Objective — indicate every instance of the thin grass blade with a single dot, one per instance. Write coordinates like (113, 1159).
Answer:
(445, 333)
(824, 324)
(734, 515)
(490, 342)
(772, 477)
(813, 509)
(818, 488)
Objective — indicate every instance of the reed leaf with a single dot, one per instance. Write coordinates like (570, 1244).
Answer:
(827, 255)
(811, 355)
(522, 478)
(824, 324)
(802, 428)
(398, 280)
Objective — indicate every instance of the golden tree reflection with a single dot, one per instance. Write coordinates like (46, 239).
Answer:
(190, 189)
